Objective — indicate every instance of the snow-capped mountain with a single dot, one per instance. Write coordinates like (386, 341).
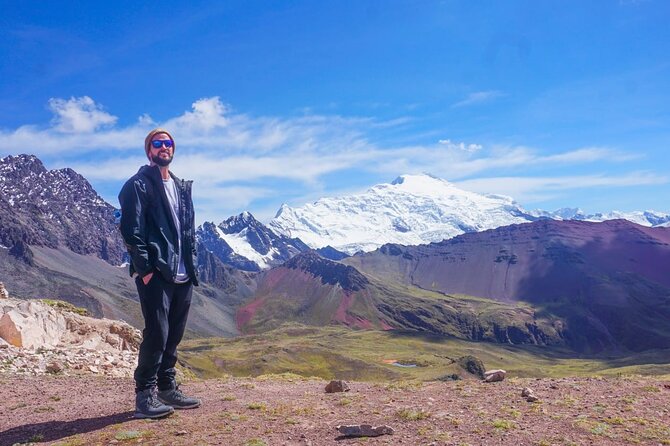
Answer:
(417, 209)
(245, 243)
(643, 218)
(412, 210)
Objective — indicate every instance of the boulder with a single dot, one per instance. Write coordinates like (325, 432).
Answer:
(337, 386)
(472, 365)
(8, 331)
(492, 376)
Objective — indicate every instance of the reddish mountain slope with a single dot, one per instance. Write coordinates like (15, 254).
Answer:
(311, 290)
(610, 281)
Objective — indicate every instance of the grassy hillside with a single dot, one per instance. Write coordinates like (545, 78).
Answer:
(340, 353)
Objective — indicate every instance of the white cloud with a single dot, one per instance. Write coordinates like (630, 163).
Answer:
(79, 115)
(532, 189)
(460, 146)
(207, 115)
(231, 156)
(478, 97)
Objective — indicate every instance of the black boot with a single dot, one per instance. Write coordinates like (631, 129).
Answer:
(147, 405)
(176, 399)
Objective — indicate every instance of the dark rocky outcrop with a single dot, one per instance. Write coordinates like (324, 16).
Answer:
(328, 271)
(52, 208)
(472, 365)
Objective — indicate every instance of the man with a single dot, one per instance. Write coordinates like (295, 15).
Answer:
(157, 225)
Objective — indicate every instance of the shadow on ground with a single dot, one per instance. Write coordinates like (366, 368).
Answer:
(55, 430)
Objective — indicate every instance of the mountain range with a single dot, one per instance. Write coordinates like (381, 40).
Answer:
(527, 279)
(415, 209)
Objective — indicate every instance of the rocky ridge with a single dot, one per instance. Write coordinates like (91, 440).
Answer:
(54, 208)
(245, 243)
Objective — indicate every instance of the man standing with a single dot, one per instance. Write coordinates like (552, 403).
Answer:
(157, 225)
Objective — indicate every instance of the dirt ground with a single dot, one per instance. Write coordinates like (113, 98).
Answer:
(281, 410)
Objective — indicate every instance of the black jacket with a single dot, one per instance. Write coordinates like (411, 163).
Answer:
(148, 229)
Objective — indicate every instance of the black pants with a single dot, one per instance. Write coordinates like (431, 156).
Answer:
(165, 308)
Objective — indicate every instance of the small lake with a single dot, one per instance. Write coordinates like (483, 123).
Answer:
(400, 364)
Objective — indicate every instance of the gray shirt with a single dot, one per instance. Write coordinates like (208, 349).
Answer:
(173, 199)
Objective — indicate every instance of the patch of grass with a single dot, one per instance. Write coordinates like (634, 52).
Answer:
(229, 398)
(66, 306)
(615, 421)
(54, 398)
(593, 427)
(568, 401)
(232, 416)
(44, 409)
(18, 406)
(600, 407)
(600, 429)
(403, 385)
(257, 406)
(75, 441)
(286, 376)
(344, 402)
(36, 438)
(128, 435)
(638, 420)
(514, 413)
(653, 389)
(409, 414)
(442, 436)
(255, 442)
(503, 424)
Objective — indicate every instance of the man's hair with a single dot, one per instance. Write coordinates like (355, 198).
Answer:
(154, 132)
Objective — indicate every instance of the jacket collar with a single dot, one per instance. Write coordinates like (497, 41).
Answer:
(154, 174)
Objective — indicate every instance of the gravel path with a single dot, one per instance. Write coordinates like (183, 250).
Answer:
(89, 410)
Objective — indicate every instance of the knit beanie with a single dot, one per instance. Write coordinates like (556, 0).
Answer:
(154, 132)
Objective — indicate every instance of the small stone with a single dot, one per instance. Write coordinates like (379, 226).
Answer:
(526, 392)
(179, 433)
(93, 369)
(494, 376)
(337, 386)
(3, 291)
(532, 398)
(364, 430)
(54, 367)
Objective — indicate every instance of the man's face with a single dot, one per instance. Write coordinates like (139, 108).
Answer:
(163, 154)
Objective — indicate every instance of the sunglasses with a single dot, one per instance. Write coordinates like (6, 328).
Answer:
(157, 143)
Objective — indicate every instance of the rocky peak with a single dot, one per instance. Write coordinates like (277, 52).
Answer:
(237, 223)
(246, 243)
(330, 272)
(54, 208)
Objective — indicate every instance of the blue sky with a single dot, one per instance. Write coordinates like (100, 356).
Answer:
(557, 104)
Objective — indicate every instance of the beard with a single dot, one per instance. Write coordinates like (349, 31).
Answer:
(161, 161)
